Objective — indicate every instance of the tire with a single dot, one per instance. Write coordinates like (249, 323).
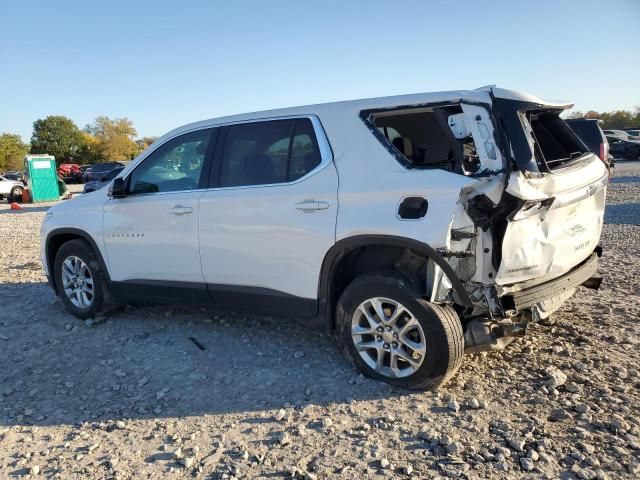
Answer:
(100, 301)
(632, 154)
(439, 326)
(16, 194)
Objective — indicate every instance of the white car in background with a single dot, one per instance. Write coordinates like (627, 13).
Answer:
(10, 189)
(415, 227)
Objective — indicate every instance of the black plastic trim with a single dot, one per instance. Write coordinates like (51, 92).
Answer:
(413, 208)
(264, 300)
(237, 297)
(530, 296)
(205, 175)
(342, 247)
(161, 292)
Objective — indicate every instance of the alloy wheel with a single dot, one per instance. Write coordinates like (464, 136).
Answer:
(77, 282)
(388, 337)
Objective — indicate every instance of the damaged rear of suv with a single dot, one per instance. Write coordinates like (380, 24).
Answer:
(523, 233)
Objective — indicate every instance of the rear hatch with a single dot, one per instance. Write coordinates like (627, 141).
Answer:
(556, 187)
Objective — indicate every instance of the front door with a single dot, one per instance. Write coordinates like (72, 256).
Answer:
(151, 235)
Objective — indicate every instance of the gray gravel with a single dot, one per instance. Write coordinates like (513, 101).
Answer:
(133, 397)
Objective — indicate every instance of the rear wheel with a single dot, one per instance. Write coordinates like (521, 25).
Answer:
(392, 334)
(80, 281)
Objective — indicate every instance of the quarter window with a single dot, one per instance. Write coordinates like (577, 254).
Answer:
(271, 152)
(173, 167)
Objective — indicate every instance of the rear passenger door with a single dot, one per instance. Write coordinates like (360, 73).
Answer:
(269, 216)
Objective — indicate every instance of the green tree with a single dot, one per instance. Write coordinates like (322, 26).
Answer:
(574, 114)
(58, 136)
(115, 138)
(12, 152)
(618, 119)
(89, 153)
(144, 142)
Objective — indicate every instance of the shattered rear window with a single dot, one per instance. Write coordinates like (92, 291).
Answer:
(555, 143)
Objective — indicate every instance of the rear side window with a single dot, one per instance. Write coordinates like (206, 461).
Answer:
(421, 138)
(270, 152)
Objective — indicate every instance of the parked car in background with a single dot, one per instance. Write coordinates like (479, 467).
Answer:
(633, 132)
(99, 170)
(416, 227)
(83, 171)
(620, 134)
(592, 136)
(94, 185)
(11, 190)
(70, 172)
(622, 144)
(17, 177)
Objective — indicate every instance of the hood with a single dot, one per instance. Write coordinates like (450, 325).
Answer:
(87, 200)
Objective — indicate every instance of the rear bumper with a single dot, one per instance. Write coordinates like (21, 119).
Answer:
(530, 296)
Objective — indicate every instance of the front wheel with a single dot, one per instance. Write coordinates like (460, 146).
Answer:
(16, 194)
(392, 334)
(80, 281)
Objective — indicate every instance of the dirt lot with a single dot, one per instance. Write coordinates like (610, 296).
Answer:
(134, 397)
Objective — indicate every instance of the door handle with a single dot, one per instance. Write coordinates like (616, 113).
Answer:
(180, 210)
(311, 205)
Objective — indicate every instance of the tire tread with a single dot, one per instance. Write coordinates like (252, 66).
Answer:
(107, 303)
(450, 333)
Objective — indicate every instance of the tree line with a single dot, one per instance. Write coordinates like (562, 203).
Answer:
(104, 140)
(108, 139)
(616, 120)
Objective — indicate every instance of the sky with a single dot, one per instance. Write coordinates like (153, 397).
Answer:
(166, 63)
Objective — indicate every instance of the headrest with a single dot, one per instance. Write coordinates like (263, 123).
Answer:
(404, 145)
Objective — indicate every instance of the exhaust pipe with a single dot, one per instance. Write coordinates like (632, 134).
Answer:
(489, 336)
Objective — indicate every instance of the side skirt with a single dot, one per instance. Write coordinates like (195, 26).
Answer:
(236, 297)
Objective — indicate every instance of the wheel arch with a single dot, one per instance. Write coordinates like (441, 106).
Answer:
(331, 284)
(58, 237)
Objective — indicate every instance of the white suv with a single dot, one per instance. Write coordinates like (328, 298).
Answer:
(10, 189)
(415, 227)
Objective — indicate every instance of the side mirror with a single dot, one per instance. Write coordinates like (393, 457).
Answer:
(118, 188)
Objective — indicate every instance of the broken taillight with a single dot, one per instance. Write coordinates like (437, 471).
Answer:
(532, 207)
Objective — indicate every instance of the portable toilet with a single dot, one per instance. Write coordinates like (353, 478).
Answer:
(42, 178)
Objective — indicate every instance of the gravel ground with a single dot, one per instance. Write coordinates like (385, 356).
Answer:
(133, 396)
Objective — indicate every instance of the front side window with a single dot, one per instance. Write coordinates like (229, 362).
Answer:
(270, 152)
(173, 167)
